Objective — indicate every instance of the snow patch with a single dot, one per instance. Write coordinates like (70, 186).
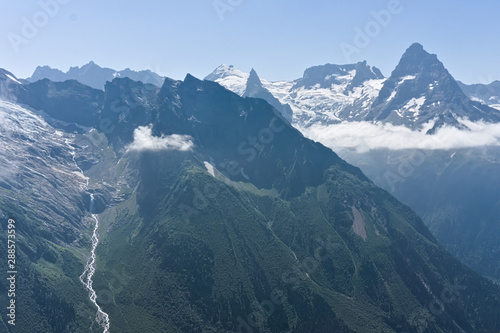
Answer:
(13, 79)
(495, 106)
(391, 97)
(475, 99)
(414, 106)
(406, 78)
(210, 168)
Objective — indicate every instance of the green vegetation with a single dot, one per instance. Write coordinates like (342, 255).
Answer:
(49, 295)
(210, 272)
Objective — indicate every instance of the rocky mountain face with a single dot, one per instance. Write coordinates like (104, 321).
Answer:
(8, 83)
(248, 85)
(328, 75)
(421, 90)
(255, 88)
(251, 227)
(68, 102)
(45, 187)
(93, 75)
(454, 191)
(7, 77)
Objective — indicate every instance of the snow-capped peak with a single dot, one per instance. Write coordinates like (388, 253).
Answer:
(229, 77)
(224, 71)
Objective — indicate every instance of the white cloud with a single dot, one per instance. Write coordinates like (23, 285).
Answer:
(144, 140)
(366, 136)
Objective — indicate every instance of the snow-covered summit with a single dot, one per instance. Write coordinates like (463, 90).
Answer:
(421, 90)
(230, 77)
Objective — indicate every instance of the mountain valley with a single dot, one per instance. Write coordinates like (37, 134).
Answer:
(217, 215)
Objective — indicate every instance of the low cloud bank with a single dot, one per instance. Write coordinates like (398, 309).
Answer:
(144, 140)
(366, 136)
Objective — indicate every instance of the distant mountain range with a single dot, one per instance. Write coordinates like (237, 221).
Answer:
(93, 75)
(420, 90)
(485, 93)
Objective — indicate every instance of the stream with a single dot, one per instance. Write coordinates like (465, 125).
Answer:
(102, 317)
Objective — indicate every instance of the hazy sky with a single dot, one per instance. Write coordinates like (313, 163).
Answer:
(278, 38)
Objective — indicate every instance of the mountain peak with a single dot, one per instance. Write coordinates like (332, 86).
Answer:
(229, 77)
(191, 78)
(45, 67)
(417, 60)
(254, 88)
(416, 47)
(224, 71)
(420, 90)
(325, 75)
(91, 65)
(253, 79)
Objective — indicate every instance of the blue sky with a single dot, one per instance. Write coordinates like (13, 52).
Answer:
(276, 37)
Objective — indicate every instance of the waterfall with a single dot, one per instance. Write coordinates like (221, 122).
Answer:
(102, 317)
